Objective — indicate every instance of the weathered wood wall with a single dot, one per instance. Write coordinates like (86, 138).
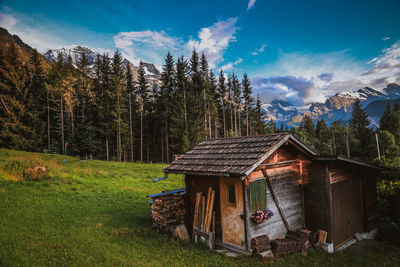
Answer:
(286, 181)
(316, 199)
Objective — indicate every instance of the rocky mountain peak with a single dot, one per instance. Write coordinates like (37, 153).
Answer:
(152, 73)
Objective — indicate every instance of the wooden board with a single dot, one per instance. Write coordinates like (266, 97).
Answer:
(347, 210)
(196, 184)
(233, 230)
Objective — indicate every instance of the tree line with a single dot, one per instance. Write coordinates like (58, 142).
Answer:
(102, 111)
(77, 109)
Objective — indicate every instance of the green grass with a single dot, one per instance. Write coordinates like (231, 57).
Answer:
(96, 213)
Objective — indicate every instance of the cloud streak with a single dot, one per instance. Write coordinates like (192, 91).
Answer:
(259, 50)
(250, 4)
(231, 64)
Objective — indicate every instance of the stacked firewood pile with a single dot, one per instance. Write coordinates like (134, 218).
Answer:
(168, 211)
(294, 242)
(260, 244)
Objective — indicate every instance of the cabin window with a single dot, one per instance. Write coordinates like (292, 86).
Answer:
(257, 195)
(231, 194)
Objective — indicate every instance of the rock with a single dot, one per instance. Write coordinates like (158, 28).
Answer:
(358, 236)
(181, 232)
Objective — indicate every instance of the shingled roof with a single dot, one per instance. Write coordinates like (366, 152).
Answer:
(233, 156)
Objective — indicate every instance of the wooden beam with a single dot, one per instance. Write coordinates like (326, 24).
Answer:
(275, 197)
(203, 212)
(207, 209)
(302, 192)
(196, 212)
(246, 215)
(280, 164)
(328, 193)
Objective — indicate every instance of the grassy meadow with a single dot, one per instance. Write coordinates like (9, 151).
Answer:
(96, 213)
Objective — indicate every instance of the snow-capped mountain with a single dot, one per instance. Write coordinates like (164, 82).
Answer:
(366, 94)
(279, 110)
(336, 107)
(152, 73)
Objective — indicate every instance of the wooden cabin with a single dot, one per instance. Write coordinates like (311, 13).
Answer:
(278, 172)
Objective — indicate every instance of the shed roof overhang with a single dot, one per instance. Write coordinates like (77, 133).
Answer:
(349, 160)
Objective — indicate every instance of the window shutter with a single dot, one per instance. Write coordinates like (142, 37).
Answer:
(231, 194)
(257, 195)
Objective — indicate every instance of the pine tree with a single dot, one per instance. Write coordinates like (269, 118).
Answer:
(271, 126)
(222, 99)
(118, 88)
(144, 106)
(237, 98)
(309, 126)
(179, 118)
(212, 104)
(259, 118)
(167, 91)
(386, 122)
(323, 138)
(36, 100)
(360, 124)
(248, 99)
(131, 91)
(85, 129)
(195, 106)
(205, 84)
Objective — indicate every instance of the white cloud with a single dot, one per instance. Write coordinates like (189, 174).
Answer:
(214, 40)
(251, 4)
(231, 64)
(41, 37)
(134, 42)
(390, 55)
(37, 37)
(7, 21)
(259, 50)
(385, 38)
(302, 78)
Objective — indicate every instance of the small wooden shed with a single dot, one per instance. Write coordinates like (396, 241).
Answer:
(278, 172)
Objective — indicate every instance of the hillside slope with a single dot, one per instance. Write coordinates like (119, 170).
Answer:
(6, 39)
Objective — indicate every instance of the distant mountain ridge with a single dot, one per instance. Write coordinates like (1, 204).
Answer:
(152, 73)
(335, 107)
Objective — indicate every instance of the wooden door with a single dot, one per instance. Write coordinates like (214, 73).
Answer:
(231, 198)
(347, 210)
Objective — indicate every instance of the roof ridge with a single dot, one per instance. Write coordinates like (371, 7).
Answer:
(249, 136)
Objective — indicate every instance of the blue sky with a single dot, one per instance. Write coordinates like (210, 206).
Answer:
(299, 51)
